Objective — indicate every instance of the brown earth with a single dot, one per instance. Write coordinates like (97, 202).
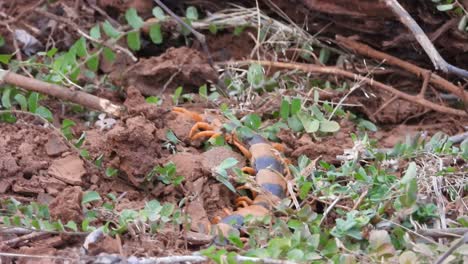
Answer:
(36, 163)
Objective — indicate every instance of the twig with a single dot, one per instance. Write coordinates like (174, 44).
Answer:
(23, 231)
(63, 93)
(424, 41)
(200, 37)
(16, 255)
(196, 258)
(361, 198)
(458, 138)
(373, 83)
(332, 205)
(32, 236)
(449, 232)
(71, 24)
(444, 256)
(366, 50)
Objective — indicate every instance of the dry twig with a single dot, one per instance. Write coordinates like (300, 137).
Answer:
(60, 92)
(366, 50)
(373, 83)
(424, 41)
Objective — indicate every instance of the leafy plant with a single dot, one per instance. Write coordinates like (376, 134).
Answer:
(166, 174)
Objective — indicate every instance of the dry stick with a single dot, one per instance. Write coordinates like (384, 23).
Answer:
(73, 25)
(367, 51)
(32, 236)
(448, 232)
(373, 83)
(178, 259)
(443, 257)
(424, 41)
(63, 93)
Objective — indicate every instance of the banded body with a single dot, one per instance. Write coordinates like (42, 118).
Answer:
(269, 172)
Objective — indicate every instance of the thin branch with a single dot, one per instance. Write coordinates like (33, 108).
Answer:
(71, 24)
(372, 83)
(368, 51)
(452, 249)
(78, 97)
(424, 41)
(448, 232)
(196, 258)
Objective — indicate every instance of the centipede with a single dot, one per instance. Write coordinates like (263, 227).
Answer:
(267, 167)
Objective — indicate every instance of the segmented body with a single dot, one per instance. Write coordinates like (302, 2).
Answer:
(269, 170)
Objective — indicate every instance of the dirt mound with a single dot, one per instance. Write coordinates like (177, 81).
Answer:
(35, 160)
(176, 67)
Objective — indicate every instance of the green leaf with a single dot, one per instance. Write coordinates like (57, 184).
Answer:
(368, 125)
(310, 125)
(72, 225)
(133, 19)
(152, 99)
(284, 109)
(226, 183)
(213, 29)
(446, 7)
(2, 41)
(295, 106)
(21, 100)
(295, 124)
(80, 47)
(324, 55)
(295, 254)
(7, 117)
(462, 25)
(410, 186)
(185, 30)
(255, 75)
(304, 190)
(410, 173)
(172, 137)
(45, 113)
(177, 93)
(156, 34)
(203, 91)
(252, 121)
(90, 196)
(329, 126)
(227, 163)
(235, 240)
(110, 172)
(6, 103)
(238, 30)
(93, 62)
(381, 244)
(109, 30)
(109, 55)
(95, 32)
(158, 13)
(51, 52)
(133, 40)
(33, 102)
(5, 58)
(192, 13)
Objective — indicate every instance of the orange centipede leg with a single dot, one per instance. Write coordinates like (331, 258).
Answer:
(195, 116)
(200, 126)
(248, 170)
(278, 146)
(243, 201)
(243, 149)
(204, 134)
